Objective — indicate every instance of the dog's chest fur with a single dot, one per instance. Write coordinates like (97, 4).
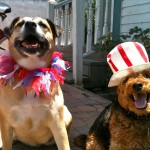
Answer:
(129, 133)
(32, 62)
(29, 115)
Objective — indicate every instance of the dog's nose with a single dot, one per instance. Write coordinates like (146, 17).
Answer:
(30, 24)
(137, 86)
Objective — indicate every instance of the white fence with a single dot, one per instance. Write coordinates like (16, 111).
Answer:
(98, 22)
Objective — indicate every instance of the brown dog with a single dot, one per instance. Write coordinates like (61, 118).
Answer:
(38, 120)
(124, 124)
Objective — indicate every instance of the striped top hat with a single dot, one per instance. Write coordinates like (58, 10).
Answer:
(125, 59)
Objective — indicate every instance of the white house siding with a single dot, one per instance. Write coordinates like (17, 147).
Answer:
(135, 13)
(21, 8)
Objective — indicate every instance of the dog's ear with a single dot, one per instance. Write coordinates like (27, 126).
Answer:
(56, 30)
(8, 30)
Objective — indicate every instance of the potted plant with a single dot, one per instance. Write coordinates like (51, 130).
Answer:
(106, 43)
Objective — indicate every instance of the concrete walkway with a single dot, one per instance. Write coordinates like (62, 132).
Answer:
(84, 106)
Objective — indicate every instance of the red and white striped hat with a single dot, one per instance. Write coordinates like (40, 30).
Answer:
(127, 58)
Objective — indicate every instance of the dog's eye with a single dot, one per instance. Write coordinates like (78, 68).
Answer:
(147, 76)
(42, 25)
(21, 23)
(125, 80)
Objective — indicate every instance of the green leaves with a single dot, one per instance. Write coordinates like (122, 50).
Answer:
(141, 35)
(106, 42)
(136, 29)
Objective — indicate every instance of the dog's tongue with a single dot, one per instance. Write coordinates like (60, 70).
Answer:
(140, 100)
(30, 44)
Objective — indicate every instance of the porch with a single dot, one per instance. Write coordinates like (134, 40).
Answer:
(84, 22)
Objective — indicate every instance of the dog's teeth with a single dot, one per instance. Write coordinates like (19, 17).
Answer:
(30, 45)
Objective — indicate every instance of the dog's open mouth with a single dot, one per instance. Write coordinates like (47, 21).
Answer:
(140, 100)
(32, 45)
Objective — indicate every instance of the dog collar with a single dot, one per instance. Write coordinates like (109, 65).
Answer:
(39, 80)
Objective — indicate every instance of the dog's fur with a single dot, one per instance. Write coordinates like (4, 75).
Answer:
(39, 120)
(124, 124)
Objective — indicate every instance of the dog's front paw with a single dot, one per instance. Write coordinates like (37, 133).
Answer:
(1, 144)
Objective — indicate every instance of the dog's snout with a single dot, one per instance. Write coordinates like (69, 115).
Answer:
(137, 86)
(30, 24)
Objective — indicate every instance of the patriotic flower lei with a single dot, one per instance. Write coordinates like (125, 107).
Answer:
(39, 80)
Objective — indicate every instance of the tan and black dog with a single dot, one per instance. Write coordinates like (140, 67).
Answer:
(124, 124)
(39, 120)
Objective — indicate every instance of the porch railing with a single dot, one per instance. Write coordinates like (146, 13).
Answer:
(99, 21)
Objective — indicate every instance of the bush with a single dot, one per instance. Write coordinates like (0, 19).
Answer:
(106, 42)
(139, 35)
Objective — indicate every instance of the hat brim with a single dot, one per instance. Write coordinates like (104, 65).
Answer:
(118, 76)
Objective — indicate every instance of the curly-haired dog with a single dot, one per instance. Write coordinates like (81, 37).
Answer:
(124, 124)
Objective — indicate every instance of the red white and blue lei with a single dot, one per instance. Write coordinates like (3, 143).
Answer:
(39, 80)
